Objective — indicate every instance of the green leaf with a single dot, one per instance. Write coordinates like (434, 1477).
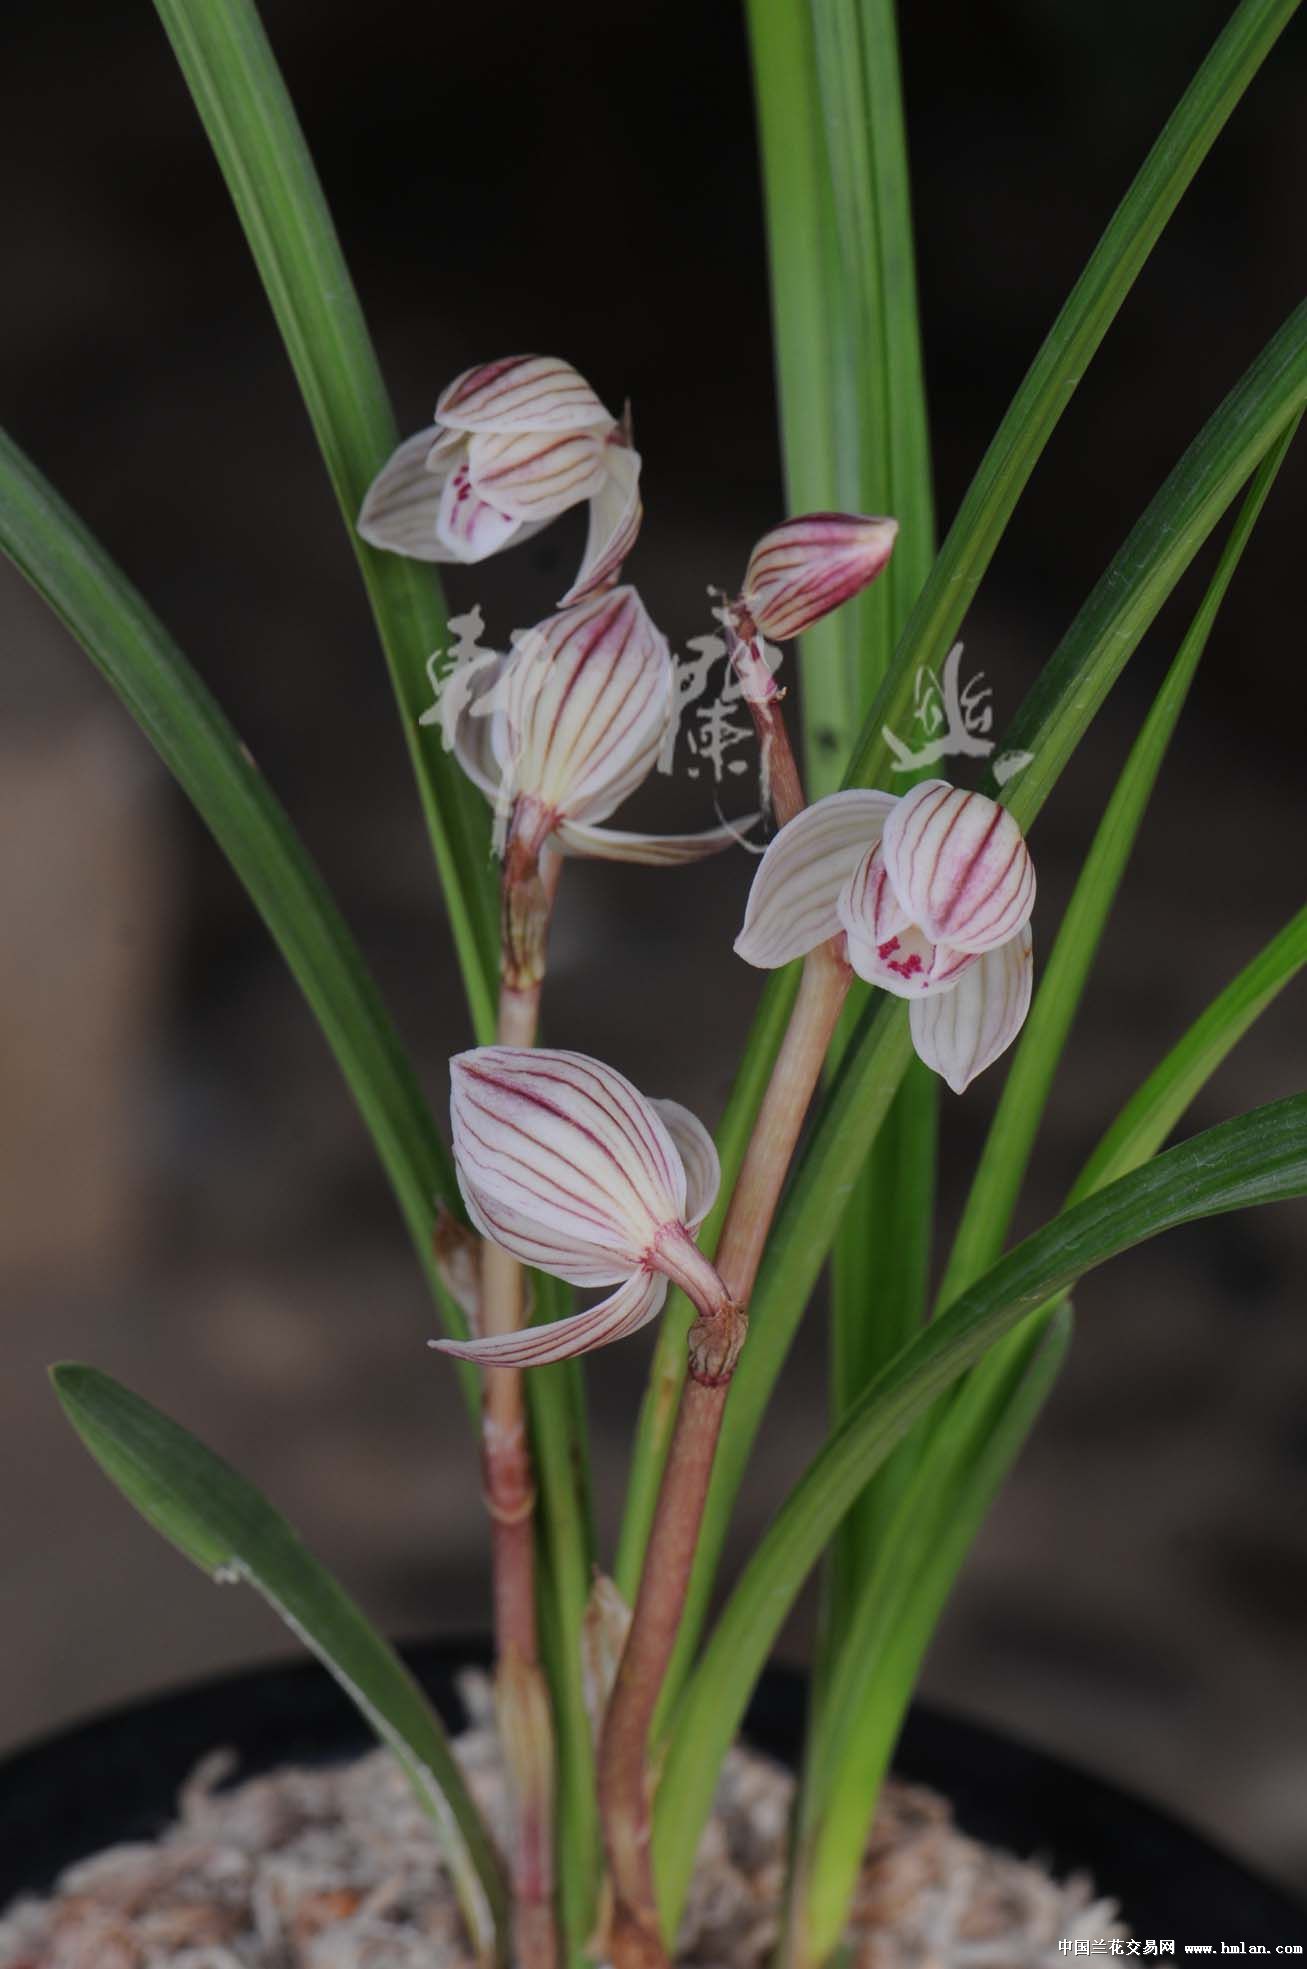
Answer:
(1153, 1111)
(803, 257)
(881, 1254)
(1257, 1158)
(880, 432)
(1055, 374)
(1264, 404)
(974, 1442)
(1057, 713)
(133, 651)
(996, 1185)
(231, 1532)
(251, 122)
(969, 1441)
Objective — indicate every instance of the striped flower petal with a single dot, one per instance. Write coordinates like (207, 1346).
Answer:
(555, 1146)
(958, 866)
(792, 903)
(652, 850)
(521, 393)
(535, 475)
(563, 1163)
(587, 700)
(632, 1306)
(808, 566)
(402, 504)
(885, 946)
(965, 1030)
(615, 515)
(698, 1151)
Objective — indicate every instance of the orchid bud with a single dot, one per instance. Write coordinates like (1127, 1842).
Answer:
(558, 733)
(515, 443)
(933, 893)
(566, 1166)
(808, 566)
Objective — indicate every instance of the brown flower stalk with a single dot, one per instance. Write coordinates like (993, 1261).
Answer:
(715, 1340)
(521, 1694)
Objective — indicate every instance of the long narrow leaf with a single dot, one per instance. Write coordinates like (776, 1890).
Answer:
(230, 1531)
(1104, 635)
(251, 122)
(803, 255)
(881, 1254)
(132, 650)
(969, 1441)
(1154, 1110)
(899, 1603)
(1001, 1170)
(1052, 379)
(1258, 1158)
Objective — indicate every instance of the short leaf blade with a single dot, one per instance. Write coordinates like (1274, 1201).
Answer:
(228, 1529)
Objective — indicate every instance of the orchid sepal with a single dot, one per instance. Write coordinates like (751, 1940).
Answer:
(792, 904)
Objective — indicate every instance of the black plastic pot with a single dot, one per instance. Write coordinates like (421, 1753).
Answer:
(116, 1779)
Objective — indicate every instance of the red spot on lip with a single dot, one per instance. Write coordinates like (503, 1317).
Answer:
(906, 967)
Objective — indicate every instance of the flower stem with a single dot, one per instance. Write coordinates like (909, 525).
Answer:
(714, 1345)
(522, 1701)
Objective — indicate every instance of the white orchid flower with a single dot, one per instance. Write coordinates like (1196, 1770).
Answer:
(558, 733)
(564, 1164)
(515, 443)
(933, 894)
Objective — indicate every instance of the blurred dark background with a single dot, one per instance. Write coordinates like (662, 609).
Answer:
(188, 1197)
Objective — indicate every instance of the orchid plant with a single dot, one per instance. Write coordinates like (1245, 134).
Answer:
(899, 927)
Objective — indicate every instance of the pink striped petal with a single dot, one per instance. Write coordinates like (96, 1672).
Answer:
(698, 1151)
(885, 946)
(535, 475)
(556, 1148)
(588, 696)
(632, 1306)
(615, 515)
(546, 1249)
(653, 850)
(808, 566)
(402, 505)
(963, 1031)
(521, 393)
(958, 866)
(470, 529)
(792, 904)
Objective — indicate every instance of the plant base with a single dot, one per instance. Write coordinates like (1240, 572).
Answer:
(337, 1868)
